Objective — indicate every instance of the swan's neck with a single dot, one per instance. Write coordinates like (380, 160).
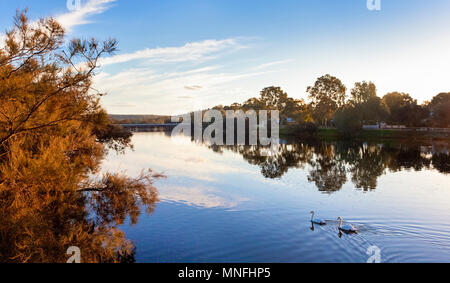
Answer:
(340, 222)
(312, 216)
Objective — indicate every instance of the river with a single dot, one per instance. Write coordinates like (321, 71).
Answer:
(232, 204)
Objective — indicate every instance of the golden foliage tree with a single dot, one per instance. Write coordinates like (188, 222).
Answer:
(53, 136)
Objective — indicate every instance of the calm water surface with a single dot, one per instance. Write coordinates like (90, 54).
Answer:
(231, 204)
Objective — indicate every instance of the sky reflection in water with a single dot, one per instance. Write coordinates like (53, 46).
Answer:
(230, 204)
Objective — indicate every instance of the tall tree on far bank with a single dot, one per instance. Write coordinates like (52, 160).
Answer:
(253, 104)
(440, 110)
(362, 92)
(327, 95)
(273, 98)
(365, 101)
(404, 110)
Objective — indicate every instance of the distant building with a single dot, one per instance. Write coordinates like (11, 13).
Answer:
(290, 121)
(371, 127)
(383, 126)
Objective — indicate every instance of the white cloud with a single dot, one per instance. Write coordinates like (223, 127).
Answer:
(124, 104)
(194, 51)
(160, 93)
(78, 17)
(193, 87)
(194, 83)
(271, 64)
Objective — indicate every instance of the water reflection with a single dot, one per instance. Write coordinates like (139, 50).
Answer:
(199, 196)
(43, 230)
(330, 163)
(236, 204)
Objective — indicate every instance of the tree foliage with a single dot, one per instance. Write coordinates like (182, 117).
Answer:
(273, 98)
(53, 137)
(364, 107)
(327, 95)
(403, 109)
(363, 92)
(348, 119)
(440, 109)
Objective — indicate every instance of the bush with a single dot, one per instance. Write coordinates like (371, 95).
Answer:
(348, 121)
(302, 129)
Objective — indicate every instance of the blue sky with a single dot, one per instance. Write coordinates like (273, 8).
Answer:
(179, 55)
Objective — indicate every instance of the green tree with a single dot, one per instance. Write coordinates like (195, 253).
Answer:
(403, 109)
(327, 95)
(274, 98)
(374, 110)
(396, 101)
(362, 92)
(365, 101)
(348, 119)
(253, 103)
(296, 109)
(440, 110)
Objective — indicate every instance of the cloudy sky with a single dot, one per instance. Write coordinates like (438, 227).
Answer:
(178, 55)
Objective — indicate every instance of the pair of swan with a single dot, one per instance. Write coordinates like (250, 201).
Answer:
(347, 228)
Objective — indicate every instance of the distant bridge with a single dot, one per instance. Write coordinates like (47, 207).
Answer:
(150, 127)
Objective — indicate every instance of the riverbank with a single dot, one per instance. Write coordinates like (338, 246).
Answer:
(368, 135)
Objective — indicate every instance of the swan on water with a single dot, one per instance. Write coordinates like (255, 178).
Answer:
(317, 220)
(347, 228)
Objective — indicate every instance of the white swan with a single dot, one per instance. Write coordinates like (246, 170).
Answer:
(347, 228)
(317, 220)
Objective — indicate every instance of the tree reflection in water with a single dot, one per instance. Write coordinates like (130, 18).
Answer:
(40, 225)
(330, 164)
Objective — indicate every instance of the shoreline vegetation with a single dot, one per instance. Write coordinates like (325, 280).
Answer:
(321, 133)
(332, 111)
(332, 134)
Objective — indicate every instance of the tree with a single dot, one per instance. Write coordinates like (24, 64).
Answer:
(327, 95)
(328, 170)
(403, 109)
(53, 136)
(253, 104)
(348, 119)
(395, 101)
(440, 110)
(367, 164)
(362, 92)
(273, 98)
(365, 101)
(373, 110)
(236, 106)
(296, 109)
